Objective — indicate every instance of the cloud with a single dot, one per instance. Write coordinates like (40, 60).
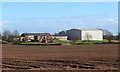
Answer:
(4, 22)
(76, 20)
(54, 24)
(59, 0)
(98, 20)
(0, 23)
(113, 20)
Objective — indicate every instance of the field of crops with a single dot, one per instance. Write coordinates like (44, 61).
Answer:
(67, 57)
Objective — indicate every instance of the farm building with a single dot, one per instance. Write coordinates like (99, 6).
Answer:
(84, 34)
(59, 37)
(40, 37)
(73, 34)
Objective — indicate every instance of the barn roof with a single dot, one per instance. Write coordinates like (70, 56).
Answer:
(91, 29)
(85, 29)
(43, 34)
(73, 29)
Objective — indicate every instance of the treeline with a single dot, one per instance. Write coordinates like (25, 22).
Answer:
(9, 36)
(109, 36)
(13, 36)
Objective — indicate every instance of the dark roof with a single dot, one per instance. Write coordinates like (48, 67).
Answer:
(73, 30)
(23, 34)
(84, 29)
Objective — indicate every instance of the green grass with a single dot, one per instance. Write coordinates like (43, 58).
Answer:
(69, 42)
(77, 41)
(83, 41)
(88, 42)
(61, 41)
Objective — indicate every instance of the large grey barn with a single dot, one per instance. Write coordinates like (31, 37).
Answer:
(73, 34)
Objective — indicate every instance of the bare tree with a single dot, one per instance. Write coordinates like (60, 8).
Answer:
(15, 33)
(15, 36)
(60, 33)
(88, 37)
(0, 36)
(10, 36)
(119, 36)
(6, 34)
(108, 35)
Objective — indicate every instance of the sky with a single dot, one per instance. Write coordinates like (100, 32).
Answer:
(60, 0)
(53, 17)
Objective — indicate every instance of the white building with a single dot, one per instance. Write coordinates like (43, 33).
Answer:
(60, 37)
(84, 34)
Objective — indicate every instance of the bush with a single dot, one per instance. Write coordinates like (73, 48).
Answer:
(40, 44)
(17, 43)
(61, 41)
(34, 41)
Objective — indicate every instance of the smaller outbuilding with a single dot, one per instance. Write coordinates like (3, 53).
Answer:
(39, 37)
(59, 37)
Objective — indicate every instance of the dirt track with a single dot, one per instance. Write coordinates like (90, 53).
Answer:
(76, 57)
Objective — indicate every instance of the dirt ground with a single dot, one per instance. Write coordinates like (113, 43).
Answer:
(70, 57)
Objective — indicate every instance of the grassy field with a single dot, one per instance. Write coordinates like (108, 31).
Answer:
(69, 57)
(85, 41)
(68, 42)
